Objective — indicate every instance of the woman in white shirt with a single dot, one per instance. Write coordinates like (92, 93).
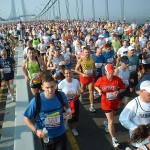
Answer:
(71, 87)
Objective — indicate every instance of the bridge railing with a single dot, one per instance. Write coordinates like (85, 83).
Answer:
(23, 137)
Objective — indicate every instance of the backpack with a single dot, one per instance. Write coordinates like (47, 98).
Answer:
(38, 103)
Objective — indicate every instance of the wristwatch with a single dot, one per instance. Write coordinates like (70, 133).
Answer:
(35, 131)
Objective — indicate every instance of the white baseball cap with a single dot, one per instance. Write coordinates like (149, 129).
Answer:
(145, 85)
(130, 48)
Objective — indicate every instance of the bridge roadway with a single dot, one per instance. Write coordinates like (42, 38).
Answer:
(92, 135)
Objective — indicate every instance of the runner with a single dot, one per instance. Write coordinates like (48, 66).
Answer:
(110, 87)
(7, 65)
(85, 68)
(71, 87)
(35, 68)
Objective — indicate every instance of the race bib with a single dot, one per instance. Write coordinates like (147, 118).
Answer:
(7, 69)
(71, 95)
(52, 120)
(110, 60)
(88, 72)
(36, 77)
(98, 65)
(132, 68)
(110, 96)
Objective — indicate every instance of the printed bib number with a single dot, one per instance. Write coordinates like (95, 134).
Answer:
(7, 70)
(132, 68)
(98, 65)
(110, 60)
(110, 96)
(52, 120)
(89, 72)
(35, 77)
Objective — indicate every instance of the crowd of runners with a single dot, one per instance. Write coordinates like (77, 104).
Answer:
(112, 60)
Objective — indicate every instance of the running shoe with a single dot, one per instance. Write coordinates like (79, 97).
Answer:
(92, 109)
(127, 148)
(75, 132)
(106, 126)
(115, 142)
(81, 98)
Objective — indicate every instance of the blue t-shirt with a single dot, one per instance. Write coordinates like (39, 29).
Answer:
(98, 62)
(109, 57)
(53, 121)
(7, 65)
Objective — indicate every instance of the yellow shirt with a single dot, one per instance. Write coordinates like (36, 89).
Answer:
(87, 66)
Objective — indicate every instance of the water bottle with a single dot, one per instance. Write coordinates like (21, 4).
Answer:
(46, 139)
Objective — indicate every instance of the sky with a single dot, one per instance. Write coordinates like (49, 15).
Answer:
(133, 9)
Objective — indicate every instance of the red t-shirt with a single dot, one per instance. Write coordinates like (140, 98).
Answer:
(108, 100)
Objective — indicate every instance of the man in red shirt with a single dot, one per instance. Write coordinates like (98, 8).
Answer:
(110, 87)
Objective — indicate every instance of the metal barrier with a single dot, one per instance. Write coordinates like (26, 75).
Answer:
(23, 137)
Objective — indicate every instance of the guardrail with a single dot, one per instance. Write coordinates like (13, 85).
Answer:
(23, 137)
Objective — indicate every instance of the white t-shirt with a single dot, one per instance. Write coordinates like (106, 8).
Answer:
(123, 51)
(67, 56)
(42, 48)
(70, 89)
(134, 114)
(99, 42)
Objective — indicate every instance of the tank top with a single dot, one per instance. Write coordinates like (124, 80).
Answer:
(142, 116)
(87, 66)
(33, 72)
(35, 42)
(124, 75)
(57, 60)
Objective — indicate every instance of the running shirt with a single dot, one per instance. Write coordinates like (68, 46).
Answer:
(42, 48)
(133, 64)
(33, 72)
(134, 114)
(108, 100)
(67, 56)
(87, 66)
(109, 57)
(8, 66)
(69, 88)
(124, 75)
(123, 51)
(53, 121)
(99, 61)
(57, 60)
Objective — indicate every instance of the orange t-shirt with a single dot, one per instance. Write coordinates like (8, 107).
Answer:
(108, 100)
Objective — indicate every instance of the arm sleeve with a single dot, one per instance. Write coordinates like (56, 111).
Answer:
(127, 115)
(30, 111)
(97, 84)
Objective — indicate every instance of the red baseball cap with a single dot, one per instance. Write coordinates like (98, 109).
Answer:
(109, 68)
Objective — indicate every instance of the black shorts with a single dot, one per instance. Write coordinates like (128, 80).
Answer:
(59, 142)
(126, 93)
(8, 78)
(108, 111)
(135, 78)
(36, 86)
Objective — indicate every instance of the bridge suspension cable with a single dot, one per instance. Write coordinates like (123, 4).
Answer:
(59, 12)
(82, 13)
(77, 9)
(106, 10)
(93, 8)
(122, 9)
(67, 10)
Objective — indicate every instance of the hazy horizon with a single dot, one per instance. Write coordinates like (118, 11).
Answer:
(133, 10)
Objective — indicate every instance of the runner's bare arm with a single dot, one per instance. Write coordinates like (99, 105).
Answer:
(77, 68)
(24, 70)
